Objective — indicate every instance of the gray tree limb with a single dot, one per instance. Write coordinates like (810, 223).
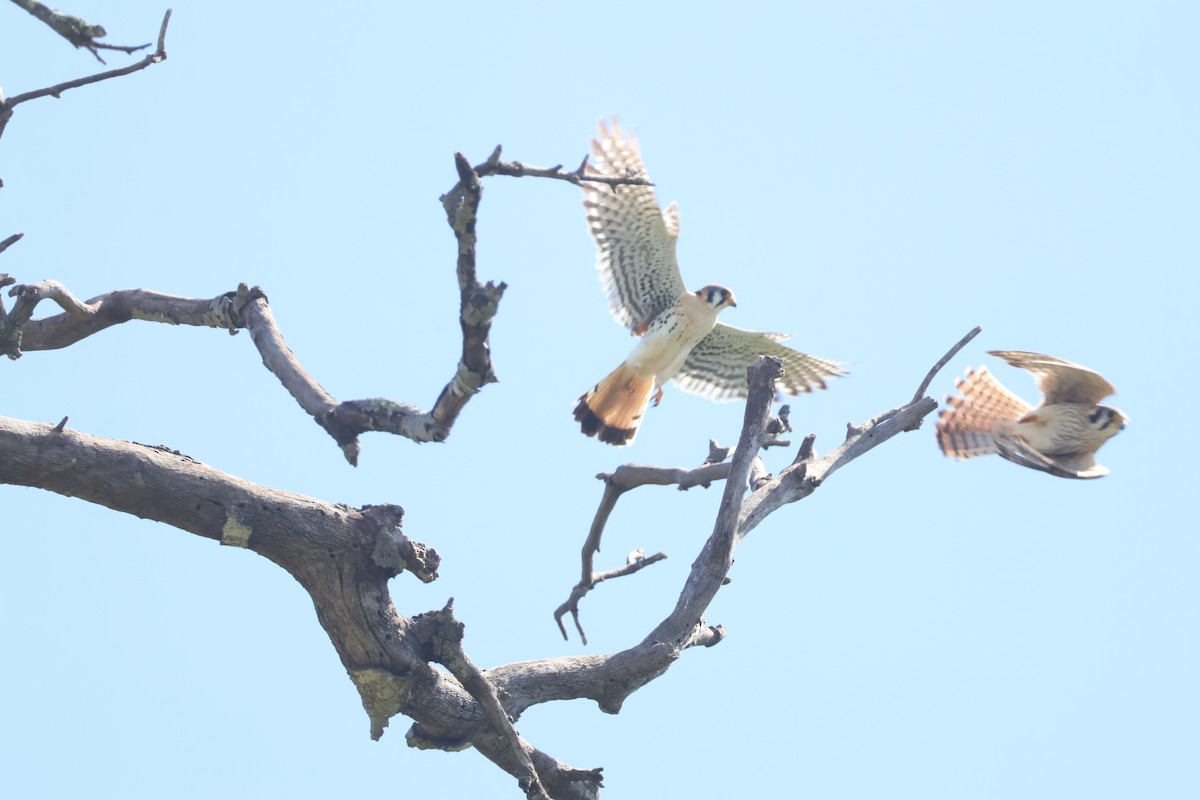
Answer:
(768, 493)
(76, 30)
(159, 55)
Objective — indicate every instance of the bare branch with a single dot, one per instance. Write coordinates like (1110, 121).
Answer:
(806, 474)
(943, 361)
(630, 476)
(160, 54)
(448, 651)
(343, 558)
(578, 176)
(634, 564)
(344, 421)
(626, 477)
(775, 426)
(712, 565)
(19, 333)
(76, 30)
(10, 241)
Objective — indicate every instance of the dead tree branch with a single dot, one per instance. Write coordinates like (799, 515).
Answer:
(768, 493)
(807, 472)
(343, 557)
(943, 361)
(626, 477)
(577, 176)
(76, 30)
(247, 308)
(630, 476)
(448, 651)
(10, 241)
(160, 54)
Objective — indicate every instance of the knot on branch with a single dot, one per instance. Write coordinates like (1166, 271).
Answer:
(480, 306)
(766, 370)
(384, 695)
(30, 294)
(420, 739)
(441, 634)
(594, 778)
(706, 635)
(387, 416)
(395, 552)
(224, 311)
(244, 295)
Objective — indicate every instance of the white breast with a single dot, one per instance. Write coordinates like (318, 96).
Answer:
(671, 336)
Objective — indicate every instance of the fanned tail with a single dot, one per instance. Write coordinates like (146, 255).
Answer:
(613, 409)
(967, 426)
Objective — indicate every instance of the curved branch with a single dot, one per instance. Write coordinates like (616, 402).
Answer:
(160, 54)
(19, 333)
(624, 478)
(76, 30)
(630, 476)
(389, 657)
(11, 240)
(248, 308)
(343, 558)
(943, 361)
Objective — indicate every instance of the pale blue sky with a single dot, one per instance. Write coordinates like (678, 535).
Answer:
(875, 178)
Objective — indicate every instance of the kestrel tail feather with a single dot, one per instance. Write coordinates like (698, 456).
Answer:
(967, 426)
(613, 409)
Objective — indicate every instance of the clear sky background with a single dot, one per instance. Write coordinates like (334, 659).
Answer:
(875, 178)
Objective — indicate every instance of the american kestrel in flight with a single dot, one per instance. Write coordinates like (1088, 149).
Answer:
(1061, 436)
(681, 339)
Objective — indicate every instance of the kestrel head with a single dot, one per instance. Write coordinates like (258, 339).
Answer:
(717, 296)
(1107, 421)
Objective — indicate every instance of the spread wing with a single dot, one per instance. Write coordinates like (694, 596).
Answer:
(635, 240)
(716, 367)
(1061, 381)
(1071, 465)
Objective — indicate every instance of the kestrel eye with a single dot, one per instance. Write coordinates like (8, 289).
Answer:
(987, 418)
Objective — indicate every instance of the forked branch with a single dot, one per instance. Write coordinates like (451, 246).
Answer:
(76, 30)
(247, 308)
(768, 493)
(160, 54)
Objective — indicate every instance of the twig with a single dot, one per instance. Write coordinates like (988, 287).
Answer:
(943, 361)
(10, 241)
(624, 478)
(807, 473)
(7, 106)
(75, 30)
(583, 587)
(577, 176)
(775, 426)
(630, 476)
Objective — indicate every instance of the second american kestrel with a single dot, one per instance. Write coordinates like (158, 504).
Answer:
(681, 339)
(1060, 436)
